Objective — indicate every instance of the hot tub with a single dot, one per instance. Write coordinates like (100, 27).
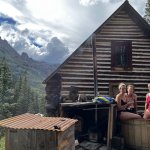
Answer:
(136, 134)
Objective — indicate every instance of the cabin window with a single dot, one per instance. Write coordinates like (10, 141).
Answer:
(121, 55)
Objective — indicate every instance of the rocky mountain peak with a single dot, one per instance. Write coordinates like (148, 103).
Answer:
(24, 56)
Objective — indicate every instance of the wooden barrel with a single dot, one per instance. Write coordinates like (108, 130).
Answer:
(136, 134)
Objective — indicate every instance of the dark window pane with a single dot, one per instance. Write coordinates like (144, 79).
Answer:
(121, 54)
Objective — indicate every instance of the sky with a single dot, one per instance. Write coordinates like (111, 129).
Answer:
(53, 29)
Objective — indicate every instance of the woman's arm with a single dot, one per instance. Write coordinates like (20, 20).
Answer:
(146, 102)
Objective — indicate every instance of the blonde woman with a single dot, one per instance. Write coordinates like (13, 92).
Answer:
(131, 97)
(123, 104)
(147, 105)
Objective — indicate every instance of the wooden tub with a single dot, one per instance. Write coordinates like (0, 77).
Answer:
(136, 134)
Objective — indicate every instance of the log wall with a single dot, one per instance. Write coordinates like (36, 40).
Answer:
(122, 27)
(78, 72)
(24, 139)
(79, 69)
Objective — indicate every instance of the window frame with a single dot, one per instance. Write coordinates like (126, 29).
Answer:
(128, 48)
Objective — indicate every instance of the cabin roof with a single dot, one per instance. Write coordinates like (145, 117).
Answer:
(130, 11)
(32, 121)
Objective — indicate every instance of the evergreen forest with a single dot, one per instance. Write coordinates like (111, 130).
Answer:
(16, 94)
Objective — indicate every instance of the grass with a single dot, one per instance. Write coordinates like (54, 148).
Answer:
(2, 143)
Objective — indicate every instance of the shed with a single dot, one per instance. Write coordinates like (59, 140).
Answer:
(33, 132)
(117, 51)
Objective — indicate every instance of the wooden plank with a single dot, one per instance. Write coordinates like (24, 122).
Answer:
(79, 86)
(124, 76)
(110, 32)
(32, 138)
(131, 133)
(66, 139)
(13, 140)
(76, 70)
(80, 63)
(119, 26)
(79, 74)
(7, 135)
(141, 61)
(78, 66)
(141, 53)
(77, 83)
(144, 134)
(121, 38)
(109, 71)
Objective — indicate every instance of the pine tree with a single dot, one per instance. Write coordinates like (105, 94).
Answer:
(31, 104)
(34, 103)
(22, 94)
(147, 12)
(42, 109)
(5, 82)
(7, 105)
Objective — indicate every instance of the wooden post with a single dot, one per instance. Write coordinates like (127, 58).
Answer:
(94, 66)
(110, 125)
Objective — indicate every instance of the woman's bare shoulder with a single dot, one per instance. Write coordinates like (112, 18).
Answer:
(118, 96)
(148, 94)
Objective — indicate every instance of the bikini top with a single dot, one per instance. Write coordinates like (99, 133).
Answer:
(131, 98)
(123, 102)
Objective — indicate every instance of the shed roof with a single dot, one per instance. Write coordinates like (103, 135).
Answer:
(130, 11)
(32, 121)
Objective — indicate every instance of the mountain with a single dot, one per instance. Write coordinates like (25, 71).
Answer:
(37, 71)
(57, 52)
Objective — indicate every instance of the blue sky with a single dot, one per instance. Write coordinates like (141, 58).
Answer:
(30, 25)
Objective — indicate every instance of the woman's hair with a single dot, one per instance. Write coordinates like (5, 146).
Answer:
(130, 85)
(120, 85)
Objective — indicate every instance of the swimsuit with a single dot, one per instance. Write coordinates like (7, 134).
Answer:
(119, 111)
(131, 108)
(148, 102)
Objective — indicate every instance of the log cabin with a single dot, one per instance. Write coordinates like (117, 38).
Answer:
(118, 51)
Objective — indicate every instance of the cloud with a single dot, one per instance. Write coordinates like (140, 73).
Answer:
(7, 9)
(40, 45)
(7, 20)
(88, 2)
(94, 2)
(56, 52)
(37, 22)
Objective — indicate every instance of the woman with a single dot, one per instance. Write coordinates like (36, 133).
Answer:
(123, 104)
(147, 105)
(131, 97)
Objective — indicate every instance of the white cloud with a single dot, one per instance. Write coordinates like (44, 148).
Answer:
(88, 2)
(8, 9)
(94, 2)
(69, 20)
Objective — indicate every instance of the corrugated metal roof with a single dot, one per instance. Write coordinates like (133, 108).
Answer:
(32, 121)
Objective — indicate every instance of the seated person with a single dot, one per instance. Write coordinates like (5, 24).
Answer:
(147, 105)
(123, 104)
(131, 97)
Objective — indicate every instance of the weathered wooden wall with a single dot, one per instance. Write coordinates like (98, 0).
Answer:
(89, 67)
(78, 72)
(24, 139)
(122, 27)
